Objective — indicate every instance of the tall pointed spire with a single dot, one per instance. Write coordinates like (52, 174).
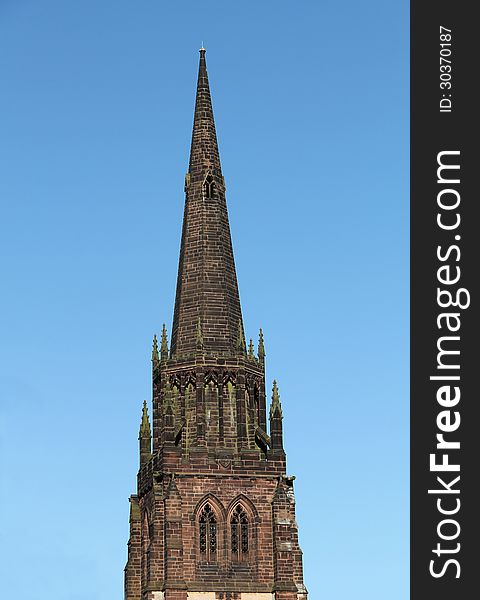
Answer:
(207, 286)
(210, 415)
(204, 149)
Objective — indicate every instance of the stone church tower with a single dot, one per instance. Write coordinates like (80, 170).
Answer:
(214, 513)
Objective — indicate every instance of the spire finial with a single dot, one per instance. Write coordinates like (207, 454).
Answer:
(155, 357)
(164, 344)
(261, 347)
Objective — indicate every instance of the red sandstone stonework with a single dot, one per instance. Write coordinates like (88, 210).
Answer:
(214, 513)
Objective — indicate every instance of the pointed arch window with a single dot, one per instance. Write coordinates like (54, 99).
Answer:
(239, 534)
(209, 186)
(208, 533)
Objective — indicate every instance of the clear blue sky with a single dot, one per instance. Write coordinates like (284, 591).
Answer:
(96, 108)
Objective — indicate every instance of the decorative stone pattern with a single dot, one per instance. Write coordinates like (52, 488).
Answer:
(214, 513)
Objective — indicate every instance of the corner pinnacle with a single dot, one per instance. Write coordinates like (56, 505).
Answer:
(251, 353)
(275, 407)
(164, 344)
(261, 347)
(240, 337)
(145, 431)
(155, 357)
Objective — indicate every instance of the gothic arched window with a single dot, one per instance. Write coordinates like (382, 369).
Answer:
(208, 533)
(209, 186)
(239, 534)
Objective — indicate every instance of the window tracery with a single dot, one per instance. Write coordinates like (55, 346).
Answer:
(239, 533)
(208, 533)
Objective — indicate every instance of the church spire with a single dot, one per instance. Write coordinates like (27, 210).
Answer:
(204, 149)
(207, 289)
(210, 417)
